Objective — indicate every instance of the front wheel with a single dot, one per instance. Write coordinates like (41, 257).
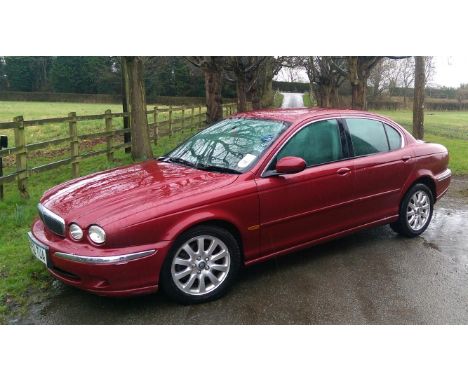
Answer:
(201, 266)
(415, 211)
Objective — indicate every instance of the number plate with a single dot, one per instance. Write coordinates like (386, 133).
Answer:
(39, 251)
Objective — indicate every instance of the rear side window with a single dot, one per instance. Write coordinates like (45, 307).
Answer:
(394, 137)
(317, 143)
(368, 136)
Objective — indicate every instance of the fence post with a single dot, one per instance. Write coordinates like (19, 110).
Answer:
(199, 117)
(110, 151)
(183, 118)
(170, 120)
(74, 145)
(21, 157)
(191, 117)
(3, 145)
(156, 125)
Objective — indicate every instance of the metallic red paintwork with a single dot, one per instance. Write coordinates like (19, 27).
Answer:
(147, 205)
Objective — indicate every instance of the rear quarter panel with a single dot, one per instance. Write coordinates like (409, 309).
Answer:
(430, 160)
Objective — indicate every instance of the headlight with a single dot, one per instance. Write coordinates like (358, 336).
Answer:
(76, 232)
(97, 234)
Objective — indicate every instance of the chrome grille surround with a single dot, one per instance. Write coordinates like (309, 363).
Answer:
(51, 220)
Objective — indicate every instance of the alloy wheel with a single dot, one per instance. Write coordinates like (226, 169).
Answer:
(418, 210)
(200, 265)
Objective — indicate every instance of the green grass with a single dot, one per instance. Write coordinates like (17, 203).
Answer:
(450, 124)
(449, 128)
(307, 100)
(278, 100)
(41, 110)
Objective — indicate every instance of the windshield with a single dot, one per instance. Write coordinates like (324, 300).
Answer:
(232, 145)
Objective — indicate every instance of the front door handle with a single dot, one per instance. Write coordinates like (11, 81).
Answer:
(406, 158)
(343, 171)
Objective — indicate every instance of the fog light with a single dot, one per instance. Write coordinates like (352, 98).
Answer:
(76, 232)
(96, 234)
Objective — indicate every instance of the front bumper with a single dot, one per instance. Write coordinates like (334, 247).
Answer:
(111, 272)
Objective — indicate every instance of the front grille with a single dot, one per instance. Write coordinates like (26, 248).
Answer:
(51, 220)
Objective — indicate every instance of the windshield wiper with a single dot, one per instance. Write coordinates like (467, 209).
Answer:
(178, 160)
(209, 167)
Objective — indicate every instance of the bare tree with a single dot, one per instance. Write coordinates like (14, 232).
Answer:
(324, 78)
(133, 72)
(213, 68)
(357, 70)
(245, 71)
(406, 74)
(270, 68)
(418, 102)
(383, 76)
(429, 68)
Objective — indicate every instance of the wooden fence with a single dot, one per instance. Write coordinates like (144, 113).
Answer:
(161, 122)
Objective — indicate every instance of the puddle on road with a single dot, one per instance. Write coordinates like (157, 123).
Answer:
(448, 233)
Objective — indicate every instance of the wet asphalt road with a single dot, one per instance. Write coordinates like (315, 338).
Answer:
(372, 277)
(292, 100)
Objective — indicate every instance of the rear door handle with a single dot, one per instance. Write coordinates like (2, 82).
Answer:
(406, 158)
(343, 171)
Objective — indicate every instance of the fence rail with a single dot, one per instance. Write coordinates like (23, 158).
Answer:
(162, 121)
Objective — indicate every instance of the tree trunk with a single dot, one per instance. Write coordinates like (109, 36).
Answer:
(213, 84)
(358, 72)
(267, 97)
(359, 95)
(141, 147)
(125, 104)
(335, 102)
(418, 103)
(325, 96)
(241, 95)
(254, 97)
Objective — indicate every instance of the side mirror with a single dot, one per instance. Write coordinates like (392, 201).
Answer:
(290, 165)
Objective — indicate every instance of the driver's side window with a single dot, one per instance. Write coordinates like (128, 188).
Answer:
(317, 143)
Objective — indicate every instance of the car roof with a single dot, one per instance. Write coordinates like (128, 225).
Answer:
(301, 114)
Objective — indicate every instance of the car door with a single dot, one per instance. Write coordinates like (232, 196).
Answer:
(382, 164)
(316, 202)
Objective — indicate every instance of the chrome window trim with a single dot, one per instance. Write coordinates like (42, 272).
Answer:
(264, 171)
(44, 211)
(121, 259)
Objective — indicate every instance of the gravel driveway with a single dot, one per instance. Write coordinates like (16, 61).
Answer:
(372, 277)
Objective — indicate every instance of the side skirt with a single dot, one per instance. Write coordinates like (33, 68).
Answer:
(337, 235)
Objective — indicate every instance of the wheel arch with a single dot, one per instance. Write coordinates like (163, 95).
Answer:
(208, 219)
(428, 181)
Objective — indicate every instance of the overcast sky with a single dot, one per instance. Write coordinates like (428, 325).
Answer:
(450, 71)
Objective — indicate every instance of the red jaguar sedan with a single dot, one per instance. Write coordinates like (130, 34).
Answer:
(251, 187)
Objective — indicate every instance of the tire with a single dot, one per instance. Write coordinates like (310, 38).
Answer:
(417, 202)
(189, 276)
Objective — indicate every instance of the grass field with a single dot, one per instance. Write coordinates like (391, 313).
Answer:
(445, 127)
(278, 100)
(24, 280)
(307, 100)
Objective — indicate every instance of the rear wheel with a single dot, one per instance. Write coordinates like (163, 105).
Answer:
(201, 266)
(415, 211)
